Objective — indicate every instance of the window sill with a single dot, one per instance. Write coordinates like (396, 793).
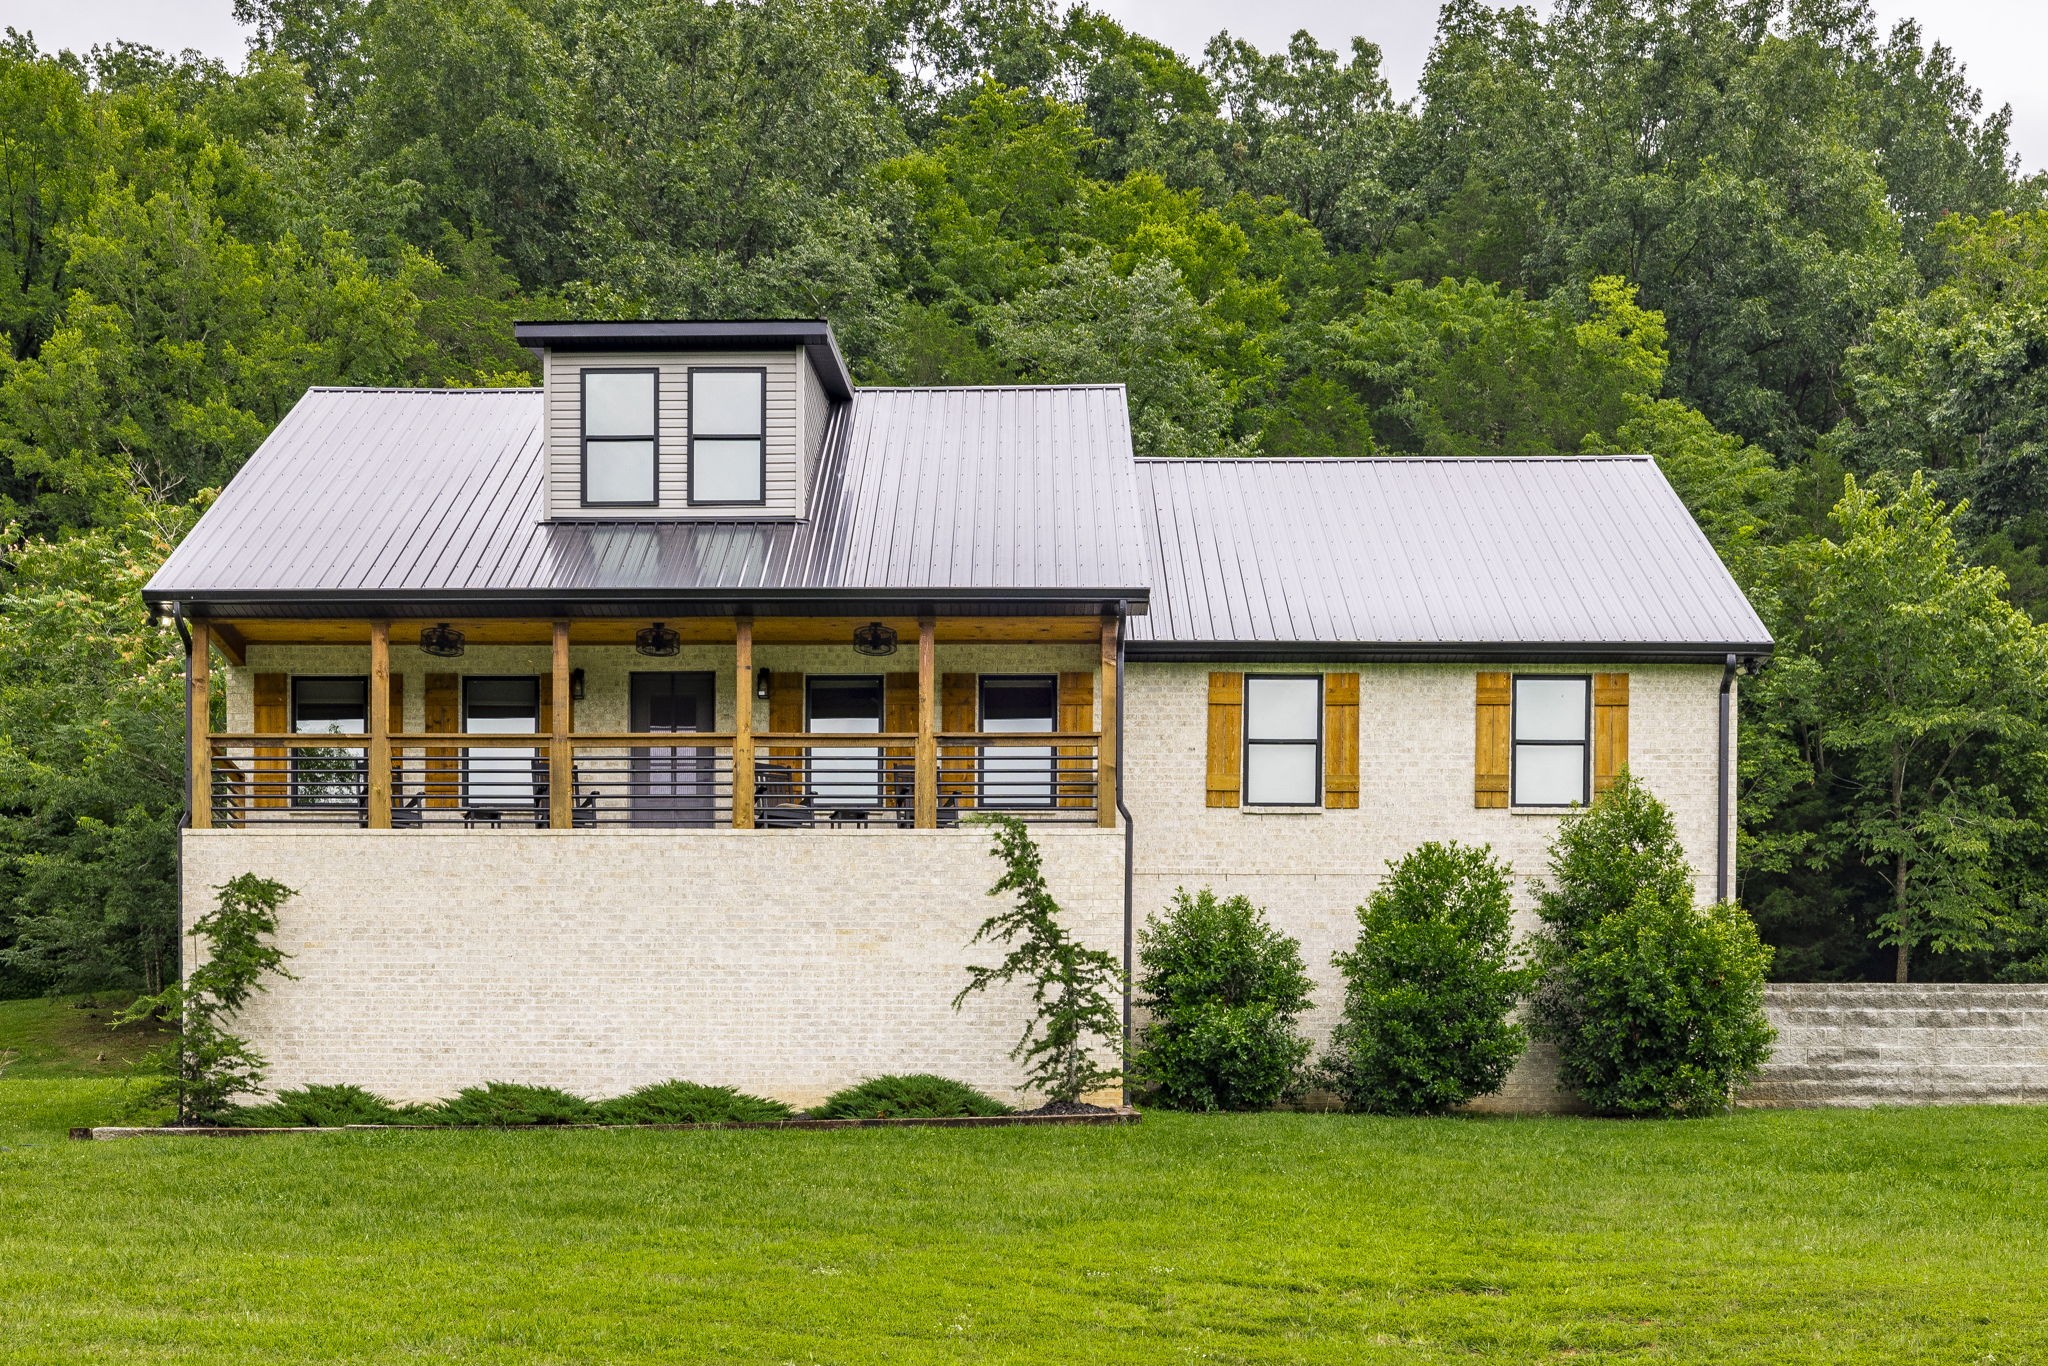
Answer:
(1251, 810)
(1544, 810)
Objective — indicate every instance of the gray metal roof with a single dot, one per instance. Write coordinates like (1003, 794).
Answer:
(363, 497)
(1576, 556)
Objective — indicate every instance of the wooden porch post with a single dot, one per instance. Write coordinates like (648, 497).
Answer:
(378, 756)
(199, 725)
(1105, 749)
(743, 723)
(561, 759)
(926, 761)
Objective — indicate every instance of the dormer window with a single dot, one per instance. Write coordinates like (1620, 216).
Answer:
(619, 455)
(728, 435)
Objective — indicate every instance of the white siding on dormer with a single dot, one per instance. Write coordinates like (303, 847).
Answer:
(788, 444)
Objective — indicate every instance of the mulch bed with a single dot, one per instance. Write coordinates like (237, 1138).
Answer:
(1072, 1113)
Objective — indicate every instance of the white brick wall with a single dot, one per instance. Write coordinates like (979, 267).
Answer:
(784, 963)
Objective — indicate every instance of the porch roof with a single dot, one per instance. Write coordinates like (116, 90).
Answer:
(384, 500)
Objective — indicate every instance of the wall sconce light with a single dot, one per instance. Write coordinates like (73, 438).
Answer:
(764, 679)
(576, 685)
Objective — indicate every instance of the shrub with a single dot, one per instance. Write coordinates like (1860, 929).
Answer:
(1223, 989)
(322, 1106)
(1655, 1006)
(1429, 985)
(204, 1067)
(915, 1096)
(683, 1102)
(502, 1104)
(1072, 985)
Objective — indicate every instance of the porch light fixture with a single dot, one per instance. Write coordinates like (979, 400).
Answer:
(764, 679)
(442, 641)
(576, 685)
(874, 639)
(657, 640)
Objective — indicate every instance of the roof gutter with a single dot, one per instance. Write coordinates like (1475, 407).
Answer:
(1449, 652)
(636, 601)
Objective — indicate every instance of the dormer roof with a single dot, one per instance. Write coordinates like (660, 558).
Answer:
(751, 334)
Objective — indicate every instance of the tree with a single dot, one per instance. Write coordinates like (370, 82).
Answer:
(1913, 693)
(1072, 985)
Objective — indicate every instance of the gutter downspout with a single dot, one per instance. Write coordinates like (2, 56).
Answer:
(185, 816)
(1123, 811)
(1724, 782)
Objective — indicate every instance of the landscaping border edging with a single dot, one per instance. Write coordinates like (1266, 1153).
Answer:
(1123, 1114)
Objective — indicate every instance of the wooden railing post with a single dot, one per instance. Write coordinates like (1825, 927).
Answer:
(1106, 756)
(379, 751)
(199, 741)
(925, 763)
(561, 759)
(743, 724)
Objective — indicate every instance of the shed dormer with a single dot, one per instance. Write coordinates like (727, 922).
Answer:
(685, 420)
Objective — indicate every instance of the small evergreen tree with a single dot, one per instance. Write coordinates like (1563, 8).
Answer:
(1655, 1005)
(1429, 986)
(1224, 990)
(204, 1066)
(1073, 987)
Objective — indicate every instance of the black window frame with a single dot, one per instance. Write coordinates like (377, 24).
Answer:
(355, 753)
(584, 438)
(490, 777)
(1515, 741)
(1018, 773)
(1244, 766)
(761, 436)
(880, 681)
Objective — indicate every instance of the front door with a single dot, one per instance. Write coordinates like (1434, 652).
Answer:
(674, 786)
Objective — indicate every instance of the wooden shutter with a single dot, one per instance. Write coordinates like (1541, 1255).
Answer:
(957, 716)
(1226, 738)
(1340, 741)
(785, 710)
(273, 717)
(395, 725)
(899, 716)
(444, 717)
(1492, 739)
(1610, 729)
(1076, 715)
(544, 726)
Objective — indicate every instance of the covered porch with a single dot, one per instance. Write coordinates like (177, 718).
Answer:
(643, 723)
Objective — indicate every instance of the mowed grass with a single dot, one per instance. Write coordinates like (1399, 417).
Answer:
(1891, 1236)
(70, 1036)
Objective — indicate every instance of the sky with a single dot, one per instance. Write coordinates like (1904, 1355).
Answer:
(2000, 41)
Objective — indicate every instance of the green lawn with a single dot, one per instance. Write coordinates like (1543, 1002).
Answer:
(69, 1037)
(1901, 1236)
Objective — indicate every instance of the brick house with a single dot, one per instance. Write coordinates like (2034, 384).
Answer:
(628, 727)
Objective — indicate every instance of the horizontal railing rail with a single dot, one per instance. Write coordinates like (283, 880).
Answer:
(637, 780)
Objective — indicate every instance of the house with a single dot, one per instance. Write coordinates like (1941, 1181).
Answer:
(627, 727)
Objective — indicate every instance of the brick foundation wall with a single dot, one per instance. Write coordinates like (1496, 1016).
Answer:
(784, 963)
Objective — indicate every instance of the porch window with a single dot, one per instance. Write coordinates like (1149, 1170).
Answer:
(329, 706)
(728, 431)
(1018, 775)
(1283, 740)
(619, 461)
(1552, 718)
(501, 706)
(846, 777)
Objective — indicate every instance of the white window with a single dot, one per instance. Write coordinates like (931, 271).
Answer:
(619, 463)
(1283, 741)
(1551, 722)
(728, 422)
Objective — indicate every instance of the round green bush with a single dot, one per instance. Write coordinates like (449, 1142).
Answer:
(683, 1102)
(1429, 986)
(1668, 1004)
(917, 1095)
(504, 1104)
(319, 1106)
(1223, 990)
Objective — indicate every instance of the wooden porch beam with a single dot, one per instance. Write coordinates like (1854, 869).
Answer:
(199, 730)
(231, 644)
(1106, 753)
(379, 758)
(925, 763)
(561, 762)
(743, 724)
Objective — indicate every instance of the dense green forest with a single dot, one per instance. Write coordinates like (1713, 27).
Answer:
(1786, 252)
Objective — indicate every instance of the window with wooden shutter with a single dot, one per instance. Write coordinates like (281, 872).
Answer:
(1076, 716)
(899, 717)
(957, 712)
(1340, 741)
(1610, 729)
(1226, 738)
(443, 694)
(1492, 708)
(273, 717)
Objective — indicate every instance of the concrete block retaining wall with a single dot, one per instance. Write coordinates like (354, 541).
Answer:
(1875, 1043)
